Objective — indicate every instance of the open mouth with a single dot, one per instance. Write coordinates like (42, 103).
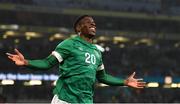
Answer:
(93, 29)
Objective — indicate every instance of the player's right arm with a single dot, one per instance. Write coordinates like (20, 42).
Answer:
(45, 63)
(61, 52)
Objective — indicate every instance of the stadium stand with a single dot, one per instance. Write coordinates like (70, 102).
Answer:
(145, 40)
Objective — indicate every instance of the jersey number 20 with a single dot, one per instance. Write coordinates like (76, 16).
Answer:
(90, 58)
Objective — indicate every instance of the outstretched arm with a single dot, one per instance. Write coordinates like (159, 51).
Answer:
(45, 63)
(61, 52)
(110, 80)
(19, 60)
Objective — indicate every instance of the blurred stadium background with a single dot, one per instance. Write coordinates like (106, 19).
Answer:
(138, 35)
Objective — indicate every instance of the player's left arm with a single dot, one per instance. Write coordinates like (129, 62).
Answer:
(110, 80)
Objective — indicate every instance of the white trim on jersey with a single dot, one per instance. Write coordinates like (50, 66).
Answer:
(101, 67)
(58, 56)
(56, 100)
(100, 48)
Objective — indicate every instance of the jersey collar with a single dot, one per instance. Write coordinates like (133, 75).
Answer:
(78, 38)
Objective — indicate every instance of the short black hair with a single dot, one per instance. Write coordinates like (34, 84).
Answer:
(78, 20)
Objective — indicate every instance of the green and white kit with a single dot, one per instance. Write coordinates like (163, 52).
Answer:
(80, 63)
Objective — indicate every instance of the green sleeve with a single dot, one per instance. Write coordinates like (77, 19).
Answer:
(63, 49)
(58, 55)
(108, 79)
(105, 78)
(46, 63)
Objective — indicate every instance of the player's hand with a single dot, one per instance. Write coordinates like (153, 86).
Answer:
(135, 83)
(18, 58)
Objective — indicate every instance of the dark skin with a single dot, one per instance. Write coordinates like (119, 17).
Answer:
(87, 29)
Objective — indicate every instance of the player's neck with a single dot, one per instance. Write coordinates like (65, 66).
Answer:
(86, 38)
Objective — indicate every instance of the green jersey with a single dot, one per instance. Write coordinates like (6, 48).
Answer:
(78, 63)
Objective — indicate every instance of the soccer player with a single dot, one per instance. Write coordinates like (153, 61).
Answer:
(80, 63)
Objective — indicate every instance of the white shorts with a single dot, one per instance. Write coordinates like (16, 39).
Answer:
(56, 100)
